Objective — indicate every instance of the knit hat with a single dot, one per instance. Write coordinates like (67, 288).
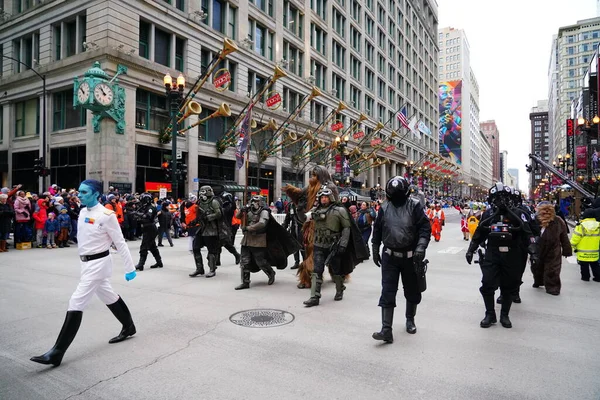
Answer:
(4, 190)
(51, 215)
(110, 197)
(63, 210)
(28, 194)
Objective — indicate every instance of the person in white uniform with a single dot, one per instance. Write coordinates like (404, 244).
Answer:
(97, 228)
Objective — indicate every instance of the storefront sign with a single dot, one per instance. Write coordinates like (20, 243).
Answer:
(359, 135)
(222, 79)
(273, 100)
(390, 149)
(570, 136)
(122, 187)
(375, 142)
(337, 126)
(581, 157)
(156, 186)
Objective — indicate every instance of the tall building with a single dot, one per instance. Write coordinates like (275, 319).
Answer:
(504, 166)
(490, 130)
(459, 134)
(486, 174)
(570, 55)
(540, 138)
(373, 55)
(514, 172)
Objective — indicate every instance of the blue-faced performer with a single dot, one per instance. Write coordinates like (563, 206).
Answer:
(97, 229)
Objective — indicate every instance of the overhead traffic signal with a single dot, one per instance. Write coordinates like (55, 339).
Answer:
(182, 170)
(38, 166)
(167, 170)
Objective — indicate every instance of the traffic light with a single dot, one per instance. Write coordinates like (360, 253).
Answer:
(167, 170)
(181, 170)
(38, 166)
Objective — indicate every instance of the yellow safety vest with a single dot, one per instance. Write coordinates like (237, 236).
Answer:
(586, 240)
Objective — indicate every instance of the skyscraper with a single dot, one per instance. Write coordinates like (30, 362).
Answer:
(491, 132)
(459, 135)
(540, 138)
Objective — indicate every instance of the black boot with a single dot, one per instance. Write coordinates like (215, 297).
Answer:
(490, 312)
(411, 311)
(120, 310)
(499, 299)
(315, 290)
(387, 319)
(218, 264)
(517, 298)
(270, 273)
(140, 264)
(245, 280)
(212, 265)
(339, 287)
(199, 265)
(296, 265)
(237, 256)
(156, 255)
(66, 243)
(68, 332)
(504, 320)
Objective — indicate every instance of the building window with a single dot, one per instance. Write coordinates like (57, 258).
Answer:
(151, 111)
(339, 23)
(317, 112)
(26, 49)
(356, 39)
(291, 100)
(255, 83)
(370, 75)
(214, 128)
(381, 15)
(320, 72)
(265, 6)
(369, 105)
(1, 123)
(64, 115)
(339, 85)
(293, 20)
(381, 64)
(370, 53)
(144, 42)
(219, 15)
(231, 23)
(381, 87)
(294, 58)
(356, 67)
(177, 3)
(355, 97)
(27, 121)
(68, 37)
(339, 55)
(318, 39)
(162, 47)
(262, 38)
(320, 7)
(381, 39)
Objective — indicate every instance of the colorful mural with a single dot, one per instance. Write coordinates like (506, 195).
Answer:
(451, 120)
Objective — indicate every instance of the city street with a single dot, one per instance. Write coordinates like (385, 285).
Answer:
(186, 347)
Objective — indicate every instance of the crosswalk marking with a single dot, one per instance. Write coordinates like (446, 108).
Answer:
(451, 250)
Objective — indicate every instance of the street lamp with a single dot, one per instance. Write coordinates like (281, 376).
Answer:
(44, 138)
(175, 96)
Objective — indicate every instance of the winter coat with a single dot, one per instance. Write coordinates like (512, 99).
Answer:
(40, 216)
(6, 215)
(64, 221)
(22, 209)
(51, 226)
(52, 191)
(554, 243)
(586, 240)
(73, 210)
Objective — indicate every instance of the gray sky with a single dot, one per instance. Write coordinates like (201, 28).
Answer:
(510, 50)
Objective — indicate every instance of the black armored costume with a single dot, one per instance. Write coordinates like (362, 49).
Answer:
(226, 235)
(404, 229)
(146, 215)
(509, 239)
(210, 214)
(293, 224)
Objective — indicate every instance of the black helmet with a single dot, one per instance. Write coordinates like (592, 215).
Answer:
(146, 198)
(500, 195)
(227, 197)
(516, 197)
(397, 188)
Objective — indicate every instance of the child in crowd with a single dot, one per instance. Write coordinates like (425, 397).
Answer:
(40, 216)
(64, 224)
(52, 228)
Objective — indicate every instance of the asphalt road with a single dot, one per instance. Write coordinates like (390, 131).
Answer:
(187, 348)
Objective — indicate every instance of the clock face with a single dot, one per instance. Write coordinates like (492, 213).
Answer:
(83, 93)
(103, 94)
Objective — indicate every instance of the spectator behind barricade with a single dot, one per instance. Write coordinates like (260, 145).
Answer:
(40, 217)
(6, 216)
(273, 208)
(365, 219)
(53, 189)
(22, 218)
(52, 228)
(64, 225)
(353, 212)
(346, 202)
(279, 206)
(113, 204)
(73, 209)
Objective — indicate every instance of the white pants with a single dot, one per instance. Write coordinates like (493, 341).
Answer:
(95, 276)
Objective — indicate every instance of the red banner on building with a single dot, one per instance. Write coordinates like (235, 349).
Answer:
(271, 101)
(337, 126)
(581, 157)
(375, 142)
(358, 135)
(338, 164)
(390, 148)
(156, 186)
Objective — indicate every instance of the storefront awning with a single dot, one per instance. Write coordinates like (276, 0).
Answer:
(239, 188)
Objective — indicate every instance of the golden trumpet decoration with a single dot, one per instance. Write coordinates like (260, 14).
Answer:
(222, 111)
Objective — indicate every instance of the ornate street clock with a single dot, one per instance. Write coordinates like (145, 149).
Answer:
(102, 96)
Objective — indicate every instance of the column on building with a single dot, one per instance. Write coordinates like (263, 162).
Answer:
(372, 181)
(192, 161)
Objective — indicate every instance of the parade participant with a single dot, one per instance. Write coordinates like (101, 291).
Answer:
(305, 199)
(585, 241)
(507, 233)
(293, 225)
(332, 238)
(210, 214)
(164, 221)
(146, 216)
(552, 244)
(405, 232)
(98, 228)
(437, 219)
(226, 236)
(192, 225)
(265, 243)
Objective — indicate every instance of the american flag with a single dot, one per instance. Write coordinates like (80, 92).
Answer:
(403, 117)
(244, 140)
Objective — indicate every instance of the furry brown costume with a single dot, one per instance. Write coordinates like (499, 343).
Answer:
(305, 199)
(553, 244)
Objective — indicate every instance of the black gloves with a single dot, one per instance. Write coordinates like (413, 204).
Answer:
(469, 257)
(376, 256)
(419, 254)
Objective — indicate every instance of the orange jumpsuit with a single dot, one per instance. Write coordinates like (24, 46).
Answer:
(437, 219)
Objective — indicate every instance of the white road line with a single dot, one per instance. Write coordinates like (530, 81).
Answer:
(451, 250)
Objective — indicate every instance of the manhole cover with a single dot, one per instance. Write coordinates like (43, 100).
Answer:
(262, 318)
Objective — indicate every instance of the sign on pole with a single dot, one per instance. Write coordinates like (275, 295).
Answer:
(162, 193)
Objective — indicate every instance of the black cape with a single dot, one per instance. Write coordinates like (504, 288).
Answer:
(357, 251)
(280, 244)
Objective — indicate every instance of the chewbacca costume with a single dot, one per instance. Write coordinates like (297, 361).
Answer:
(305, 199)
